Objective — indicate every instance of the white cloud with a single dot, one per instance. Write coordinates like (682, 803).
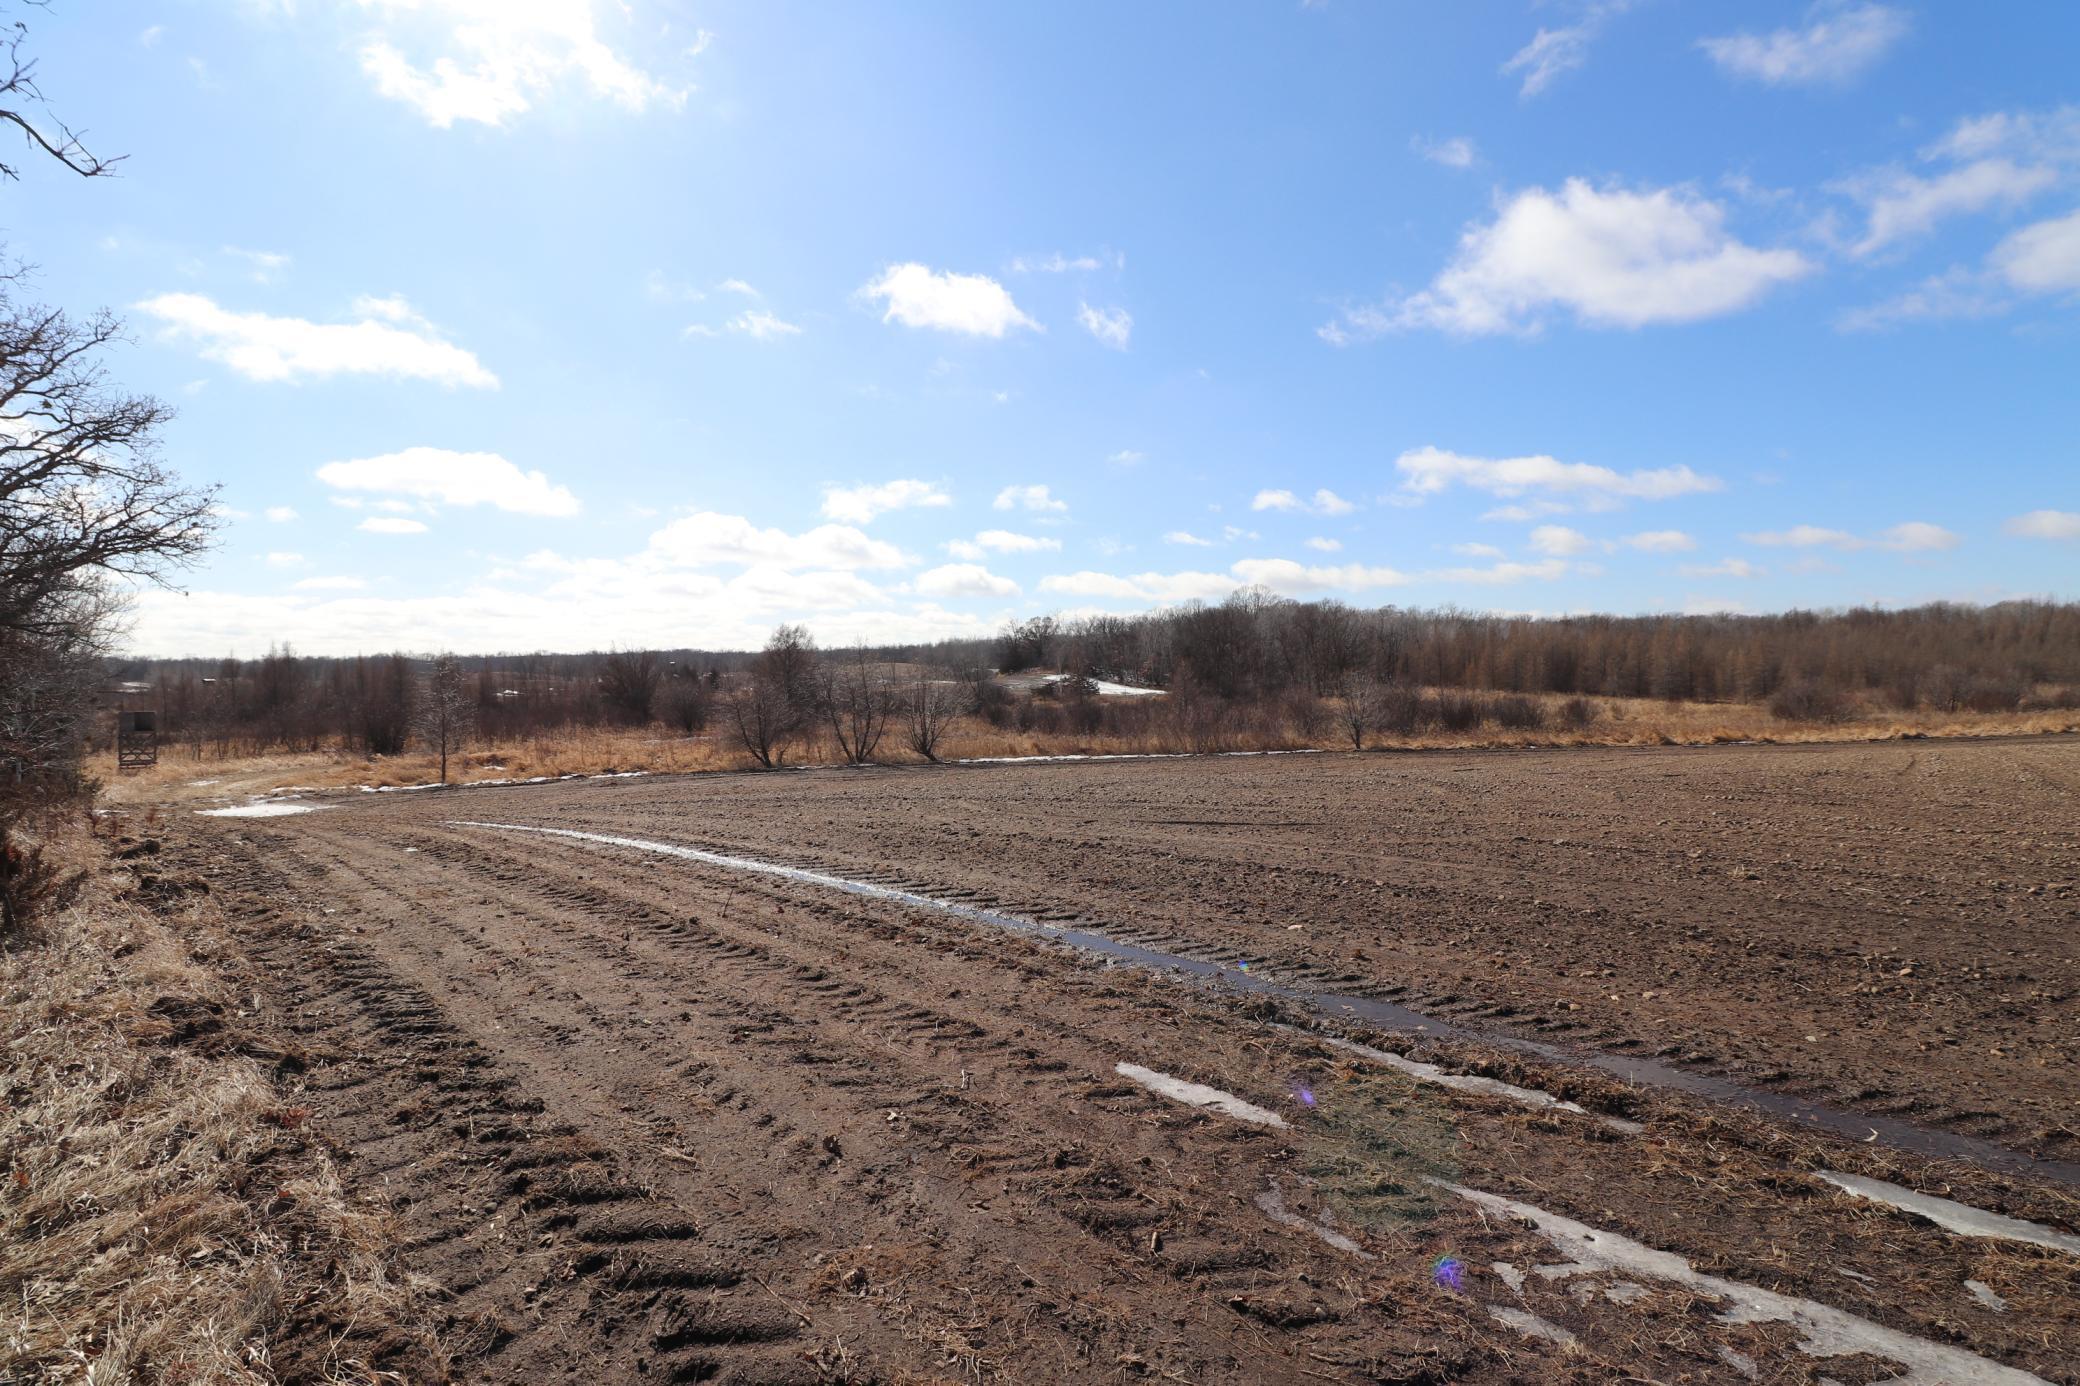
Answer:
(662, 288)
(1553, 52)
(1184, 536)
(1610, 256)
(1560, 541)
(1551, 570)
(1028, 498)
(261, 265)
(2045, 524)
(706, 538)
(1728, 567)
(281, 514)
(964, 580)
(738, 286)
(761, 326)
(1127, 457)
(452, 478)
(1284, 576)
(1804, 537)
(2039, 136)
(1058, 263)
(1660, 541)
(1111, 326)
(1904, 205)
(150, 35)
(1456, 152)
(1955, 293)
(390, 524)
(860, 504)
(1321, 544)
(1917, 536)
(328, 584)
(285, 560)
(1914, 536)
(973, 304)
(1000, 541)
(1149, 587)
(1477, 550)
(1324, 502)
(1837, 43)
(494, 59)
(2043, 258)
(1429, 470)
(261, 346)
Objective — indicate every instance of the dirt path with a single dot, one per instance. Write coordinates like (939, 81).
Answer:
(649, 1118)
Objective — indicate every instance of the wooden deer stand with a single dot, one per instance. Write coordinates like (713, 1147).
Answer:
(137, 727)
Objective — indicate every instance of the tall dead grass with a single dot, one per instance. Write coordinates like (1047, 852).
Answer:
(591, 751)
(165, 1214)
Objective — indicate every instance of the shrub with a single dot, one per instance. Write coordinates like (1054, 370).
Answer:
(1803, 700)
(1575, 714)
(1516, 712)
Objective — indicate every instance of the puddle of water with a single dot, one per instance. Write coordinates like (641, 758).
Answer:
(1955, 1217)
(1823, 1331)
(1199, 1095)
(276, 810)
(1386, 1015)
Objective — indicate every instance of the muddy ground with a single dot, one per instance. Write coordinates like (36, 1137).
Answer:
(650, 1118)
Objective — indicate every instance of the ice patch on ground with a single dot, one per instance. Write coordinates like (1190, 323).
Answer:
(1983, 1292)
(1531, 1325)
(1467, 1082)
(1199, 1095)
(1824, 1331)
(265, 810)
(1955, 1217)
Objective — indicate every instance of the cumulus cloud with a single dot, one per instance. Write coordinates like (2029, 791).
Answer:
(1150, 587)
(1185, 536)
(860, 504)
(1291, 579)
(438, 475)
(261, 265)
(280, 514)
(1610, 257)
(1476, 551)
(1028, 498)
(1560, 541)
(2045, 524)
(1837, 42)
(285, 560)
(263, 347)
(706, 538)
(1058, 263)
(1914, 536)
(973, 304)
(1456, 152)
(762, 326)
(1726, 567)
(1111, 326)
(1660, 541)
(487, 61)
(1429, 471)
(1324, 502)
(963, 580)
(1323, 544)
(1000, 541)
(2043, 258)
(390, 524)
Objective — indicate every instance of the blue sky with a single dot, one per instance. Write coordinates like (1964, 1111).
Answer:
(510, 324)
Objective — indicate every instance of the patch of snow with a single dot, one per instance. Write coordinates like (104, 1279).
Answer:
(1466, 1082)
(1199, 1095)
(200, 784)
(1983, 1292)
(1511, 1276)
(1531, 1325)
(1824, 1331)
(1740, 1362)
(262, 810)
(1955, 1217)
(1110, 690)
(1273, 1204)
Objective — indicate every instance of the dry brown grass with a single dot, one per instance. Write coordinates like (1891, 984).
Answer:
(590, 751)
(163, 1210)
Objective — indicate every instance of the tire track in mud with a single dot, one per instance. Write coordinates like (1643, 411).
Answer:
(864, 1106)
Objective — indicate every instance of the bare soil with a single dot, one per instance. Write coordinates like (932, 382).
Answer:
(650, 1119)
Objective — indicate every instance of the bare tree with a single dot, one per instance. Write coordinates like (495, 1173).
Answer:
(856, 701)
(688, 701)
(762, 717)
(446, 711)
(1367, 704)
(19, 93)
(629, 683)
(929, 707)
